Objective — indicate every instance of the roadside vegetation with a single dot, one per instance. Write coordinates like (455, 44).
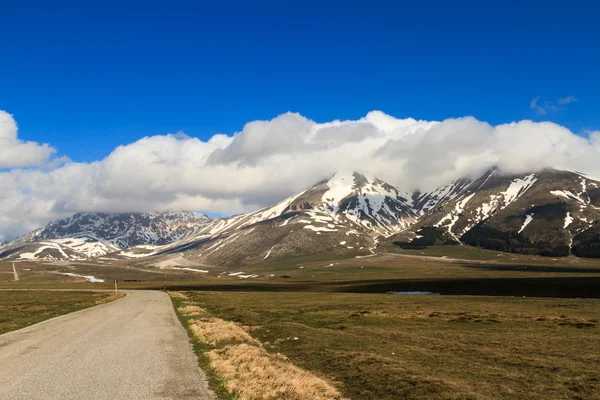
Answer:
(238, 365)
(21, 308)
(383, 346)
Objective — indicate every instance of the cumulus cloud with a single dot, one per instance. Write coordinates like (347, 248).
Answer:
(269, 160)
(15, 153)
(259, 139)
(546, 106)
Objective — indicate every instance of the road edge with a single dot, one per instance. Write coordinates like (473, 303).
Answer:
(126, 293)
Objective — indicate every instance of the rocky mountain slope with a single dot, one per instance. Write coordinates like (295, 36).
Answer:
(347, 212)
(550, 213)
(90, 235)
(547, 213)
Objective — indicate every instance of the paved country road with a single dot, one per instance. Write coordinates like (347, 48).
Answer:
(132, 348)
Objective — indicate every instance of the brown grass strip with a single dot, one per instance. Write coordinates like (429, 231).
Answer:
(253, 374)
(191, 310)
(178, 295)
(215, 330)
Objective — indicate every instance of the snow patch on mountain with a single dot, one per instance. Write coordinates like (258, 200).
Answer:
(319, 229)
(517, 188)
(585, 203)
(426, 202)
(568, 220)
(497, 202)
(528, 219)
(89, 278)
(268, 253)
(37, 254)
(340, 186)
(368, 202)
(79, 247)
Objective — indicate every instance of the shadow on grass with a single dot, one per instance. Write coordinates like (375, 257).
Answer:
(566, 287)
(535, 269)
(569, 287)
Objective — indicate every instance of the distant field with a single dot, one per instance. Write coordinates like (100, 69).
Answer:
(378, 346)
(19, 309)
(456, 270)
(471, 253)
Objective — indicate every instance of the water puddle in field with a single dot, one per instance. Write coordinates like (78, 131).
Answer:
(416, 293)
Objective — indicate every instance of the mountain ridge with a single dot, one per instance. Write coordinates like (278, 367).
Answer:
(523, 213)
(91, 234)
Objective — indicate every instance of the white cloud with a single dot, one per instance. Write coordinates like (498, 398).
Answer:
(269, 160)
(15, 153)
(534, 103)
(284, 134)
(543, 108)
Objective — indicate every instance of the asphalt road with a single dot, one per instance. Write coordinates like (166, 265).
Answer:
(132, 348)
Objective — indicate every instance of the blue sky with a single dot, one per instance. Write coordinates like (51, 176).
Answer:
(88, 76)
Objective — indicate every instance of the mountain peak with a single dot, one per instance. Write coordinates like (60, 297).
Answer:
(342, 185)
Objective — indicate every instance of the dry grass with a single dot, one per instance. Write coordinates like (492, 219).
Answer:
(178, 295)
(215, 330)
(563, 320)
(253, 374)
(249, 371)
(191, 311)
(385, 347)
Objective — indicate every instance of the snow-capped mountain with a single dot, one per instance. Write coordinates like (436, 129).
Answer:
(369, 202)
(90, 235)
(347, 212)
(75, 248)
(548, 213)
(127, 229)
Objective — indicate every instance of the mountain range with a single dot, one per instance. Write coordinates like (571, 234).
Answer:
(548, 213)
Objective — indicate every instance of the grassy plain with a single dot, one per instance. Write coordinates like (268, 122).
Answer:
(20, 308)
(488, 343)
(379, 346)
(452, 270)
